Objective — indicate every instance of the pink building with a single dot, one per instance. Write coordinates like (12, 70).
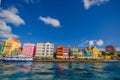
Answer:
(65, 52)
(29, 50)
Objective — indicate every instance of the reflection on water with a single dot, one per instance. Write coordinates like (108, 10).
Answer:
(59, 71)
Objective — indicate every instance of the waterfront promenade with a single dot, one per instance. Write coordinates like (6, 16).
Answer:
(74, 60)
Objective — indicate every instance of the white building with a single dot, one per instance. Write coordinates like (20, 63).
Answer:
(45, 50)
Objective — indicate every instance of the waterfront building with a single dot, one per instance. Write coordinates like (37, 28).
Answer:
(73, 52)
(59, 51)
(62, 52)
(87, 53)
(80, 54)
(45, 50)
(17, 52)
(10, 45)
(110, 48)
(89, 49)
(95, 52)
(65, 52)
(29, 50)
(1, 46)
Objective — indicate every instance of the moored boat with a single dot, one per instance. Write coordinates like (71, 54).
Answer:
(17, 59)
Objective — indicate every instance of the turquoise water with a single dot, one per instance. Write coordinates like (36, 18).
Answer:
(59, 71)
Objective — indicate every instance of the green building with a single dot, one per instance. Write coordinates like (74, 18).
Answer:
(73, 51)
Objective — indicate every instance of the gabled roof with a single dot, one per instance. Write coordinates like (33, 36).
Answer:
(15, 40)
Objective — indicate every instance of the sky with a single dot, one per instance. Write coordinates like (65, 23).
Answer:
(63, 22)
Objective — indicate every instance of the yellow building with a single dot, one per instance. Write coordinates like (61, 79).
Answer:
(95, 52)
(10, 45)
(108, 57)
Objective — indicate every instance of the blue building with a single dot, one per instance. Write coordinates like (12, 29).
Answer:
(87, 53)
(1, 46)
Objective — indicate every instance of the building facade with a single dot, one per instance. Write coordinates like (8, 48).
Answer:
(29, 50)
(1, 46)
(95, 52)
(110, 48)
(87, 53)
(45, 50)
(59, 51)
(73, 51)
(17, 52)
(10, 45)
(65, 52)
(80, 54)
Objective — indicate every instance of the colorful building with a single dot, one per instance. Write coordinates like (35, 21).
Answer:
(62, 52)
(65, 52)
(87, 53)
(110, 48)
(73, 51)
(10, 45)
(95, 52)
(17, 52)
(80, 54)
(29, 50)
(59, 51)
(1, 46)
(45, 50)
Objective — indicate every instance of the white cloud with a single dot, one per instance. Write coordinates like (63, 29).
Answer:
(92, 43)
(84, 43)
(100, 42)
(117, 49)
(11, 16)
(51, 21)
(89, 3)
(5, 31)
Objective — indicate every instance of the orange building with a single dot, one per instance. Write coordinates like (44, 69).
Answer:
(62, 52)
(59, 51)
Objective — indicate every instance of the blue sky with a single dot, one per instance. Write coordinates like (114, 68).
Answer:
(68, 22)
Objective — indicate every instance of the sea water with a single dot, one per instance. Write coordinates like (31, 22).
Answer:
(60, 71)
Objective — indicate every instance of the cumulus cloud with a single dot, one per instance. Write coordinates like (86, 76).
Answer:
(11, 16)
(89, 3)
(52, 21)
(92, 43)
(100, 42)
(5, 31)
